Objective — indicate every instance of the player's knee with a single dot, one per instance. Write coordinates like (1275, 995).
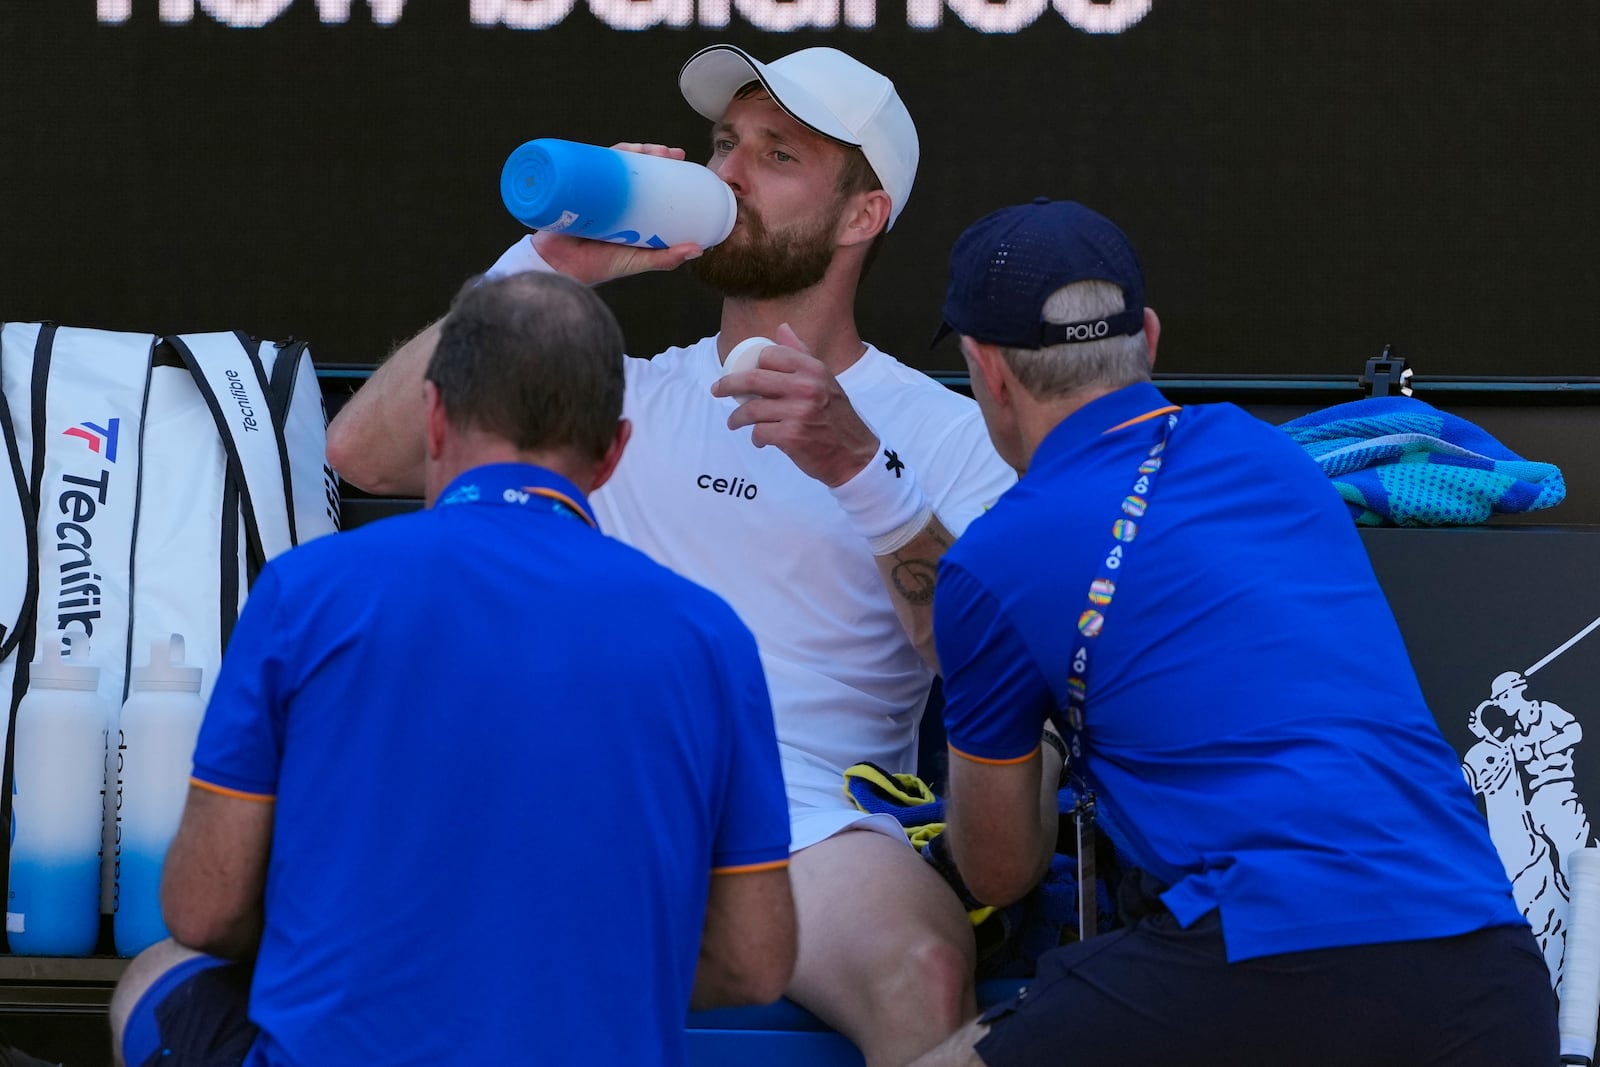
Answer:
(937, 975)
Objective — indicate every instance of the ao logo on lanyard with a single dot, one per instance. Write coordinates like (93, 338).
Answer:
(1092, 622)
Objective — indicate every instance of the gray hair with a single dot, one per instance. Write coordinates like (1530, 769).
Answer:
(1060, 370)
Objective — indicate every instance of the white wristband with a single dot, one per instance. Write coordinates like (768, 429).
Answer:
(896, 539)
(885, 504)
(520, 257)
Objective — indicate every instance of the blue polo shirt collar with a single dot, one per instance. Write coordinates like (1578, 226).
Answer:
(1098, 417)
(520, 484)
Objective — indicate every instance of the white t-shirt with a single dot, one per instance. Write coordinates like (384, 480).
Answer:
(847, 685)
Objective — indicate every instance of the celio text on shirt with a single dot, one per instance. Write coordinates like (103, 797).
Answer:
(735, 487)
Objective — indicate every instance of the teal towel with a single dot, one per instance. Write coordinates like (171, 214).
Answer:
(1397, 461)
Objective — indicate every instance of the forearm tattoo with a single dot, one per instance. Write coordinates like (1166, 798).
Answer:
(916, 569)
(914, 578)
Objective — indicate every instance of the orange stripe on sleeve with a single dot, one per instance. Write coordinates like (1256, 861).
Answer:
(751, 868)
(220, 790)
(995, 762)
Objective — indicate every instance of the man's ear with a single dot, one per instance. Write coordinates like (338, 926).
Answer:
(1152, 333)
(990, 366)
(867, 216)
(437, 425)
(608, 462)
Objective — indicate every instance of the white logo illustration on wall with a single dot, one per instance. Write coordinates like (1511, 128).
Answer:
(1522, 767)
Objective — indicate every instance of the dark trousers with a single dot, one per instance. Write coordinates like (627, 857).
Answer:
(195, 1015)
(1153, 993)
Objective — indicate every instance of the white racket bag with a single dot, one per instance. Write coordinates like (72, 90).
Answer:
(145, 482)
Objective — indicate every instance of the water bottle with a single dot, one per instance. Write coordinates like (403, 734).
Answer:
(160, 723)
(608, 195)
(53, 908)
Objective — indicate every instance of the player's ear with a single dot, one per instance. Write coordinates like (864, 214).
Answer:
(865, 216)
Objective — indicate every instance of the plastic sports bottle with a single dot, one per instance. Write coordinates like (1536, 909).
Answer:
(53, 908)
(160, 723)
(604, 194)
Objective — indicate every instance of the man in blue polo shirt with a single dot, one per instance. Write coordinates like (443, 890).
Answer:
(471, 778)
(1180, 595)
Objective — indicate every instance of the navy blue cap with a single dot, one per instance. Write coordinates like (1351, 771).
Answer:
(1006, 265)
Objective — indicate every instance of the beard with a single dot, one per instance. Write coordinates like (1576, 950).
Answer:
(760, 263)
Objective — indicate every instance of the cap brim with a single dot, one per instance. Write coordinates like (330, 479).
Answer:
(944, 330)
(712, 75)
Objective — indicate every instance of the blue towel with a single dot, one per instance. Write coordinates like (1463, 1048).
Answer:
(905, 797)
(1397, 461)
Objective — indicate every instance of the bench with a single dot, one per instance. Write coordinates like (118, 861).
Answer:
(786, 1035)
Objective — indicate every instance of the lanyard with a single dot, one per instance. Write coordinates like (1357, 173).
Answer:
(1091, 624)
(507, 484)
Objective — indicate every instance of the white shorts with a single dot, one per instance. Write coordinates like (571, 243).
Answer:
(819, 807)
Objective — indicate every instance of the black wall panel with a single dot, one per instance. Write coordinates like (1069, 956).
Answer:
(1306, 182)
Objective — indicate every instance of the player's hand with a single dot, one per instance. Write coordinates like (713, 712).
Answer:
(795, 403)
(593, 262)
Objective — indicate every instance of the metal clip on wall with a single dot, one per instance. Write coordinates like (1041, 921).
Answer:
(1386, 374)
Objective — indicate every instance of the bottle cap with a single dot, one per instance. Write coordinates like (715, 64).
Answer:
(66, 666)
(166, 672)
(543, 179)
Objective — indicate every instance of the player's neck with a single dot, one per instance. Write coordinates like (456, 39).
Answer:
(822, 316)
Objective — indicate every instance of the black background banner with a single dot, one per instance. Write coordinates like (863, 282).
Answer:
(1305, 182)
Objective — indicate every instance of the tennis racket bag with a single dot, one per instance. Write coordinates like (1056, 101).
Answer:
(145, 482)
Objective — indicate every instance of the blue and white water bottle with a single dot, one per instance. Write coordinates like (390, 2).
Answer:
(605, 194)
(53, 907)
(160, 723)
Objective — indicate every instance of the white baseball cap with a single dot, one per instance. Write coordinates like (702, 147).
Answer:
(821, 88)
